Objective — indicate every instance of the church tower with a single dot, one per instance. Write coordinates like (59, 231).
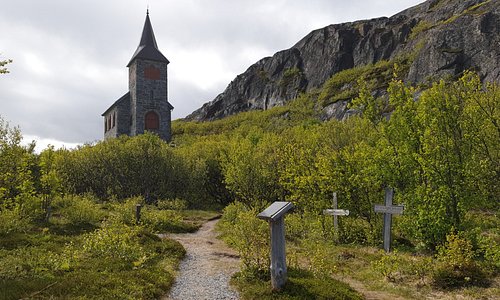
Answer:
(145, 107)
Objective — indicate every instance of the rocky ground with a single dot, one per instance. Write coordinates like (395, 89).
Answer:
(207, 268)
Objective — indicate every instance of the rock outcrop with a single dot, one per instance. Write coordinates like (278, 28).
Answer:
(446, 37)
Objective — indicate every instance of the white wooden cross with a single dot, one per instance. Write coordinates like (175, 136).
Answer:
(335, 212)
(388, 210)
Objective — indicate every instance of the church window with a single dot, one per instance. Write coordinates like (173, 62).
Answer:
(152, 121)
(114, 119)
(152, 73)
(105, 124)
(109, 122)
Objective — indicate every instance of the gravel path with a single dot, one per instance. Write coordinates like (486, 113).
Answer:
(205, 271)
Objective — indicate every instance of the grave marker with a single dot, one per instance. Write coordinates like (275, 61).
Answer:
(335, 212)
(274, 214)
(138, 213)
(388, 210)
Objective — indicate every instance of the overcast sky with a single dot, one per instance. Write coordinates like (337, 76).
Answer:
(70, 56)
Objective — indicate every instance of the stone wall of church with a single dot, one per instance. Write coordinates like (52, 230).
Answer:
(148, 92)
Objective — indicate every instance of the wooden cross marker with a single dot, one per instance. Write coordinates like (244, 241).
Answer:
(388, 210)
(335, 212)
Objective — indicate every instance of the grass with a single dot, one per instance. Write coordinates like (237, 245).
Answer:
(344, 85)
(301, 285)
(405, 274)
(48, 266)
(69, 259)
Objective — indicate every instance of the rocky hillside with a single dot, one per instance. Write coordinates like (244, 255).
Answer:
(436, 38)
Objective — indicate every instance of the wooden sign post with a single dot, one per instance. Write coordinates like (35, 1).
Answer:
(388, 210)
(274, 214)
(335, 212)
(138, 213)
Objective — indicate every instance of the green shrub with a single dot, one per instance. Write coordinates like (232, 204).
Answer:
(172, 204)
(310, 226)
(114, 241)
(301, 285)
(164, 220)
(124, 212)
(358, 231)
(456, 266)
(13, 220)
(29, 262)
(249, 235)
(490, 246)
(80, 210)
(389, 266)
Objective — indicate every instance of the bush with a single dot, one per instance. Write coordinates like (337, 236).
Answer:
(301, 285)
(490, 246)
(358, 231)
(114, 241)
(242, 230)
(172, 204)
(456, 266)
(124, 212)
(28, 262)
(79, 210)
(13, 220)
(164, 220)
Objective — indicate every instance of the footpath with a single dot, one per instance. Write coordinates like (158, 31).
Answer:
(207, 268)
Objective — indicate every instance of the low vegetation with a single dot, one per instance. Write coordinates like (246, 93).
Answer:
(68, 229)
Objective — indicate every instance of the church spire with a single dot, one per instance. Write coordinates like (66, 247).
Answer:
(148, 49)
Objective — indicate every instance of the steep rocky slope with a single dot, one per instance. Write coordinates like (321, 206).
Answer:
(443, 37)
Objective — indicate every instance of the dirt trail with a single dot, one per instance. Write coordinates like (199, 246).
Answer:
(207, 268)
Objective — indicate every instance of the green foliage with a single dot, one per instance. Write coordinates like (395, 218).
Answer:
(114, 241)
(301, 285)
(17, 164)
(421, 26)
(164, 221)
(3, 63)
(123, 167)
(94, 265)
(289, 76)
(248, 235)
(79, 210)
(388, 266)
(172, 204)
(345, 85)
(13, 220)
(359, 231)
(457, 267)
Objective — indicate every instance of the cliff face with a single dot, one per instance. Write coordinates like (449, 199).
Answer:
(445, 36)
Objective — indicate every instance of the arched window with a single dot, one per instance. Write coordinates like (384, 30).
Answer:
(109, 122)
(114, 119)
(105, 124)
(152, 121)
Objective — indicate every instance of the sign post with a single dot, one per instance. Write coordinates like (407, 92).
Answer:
(388, 210)
(274, 214)
(138, 213)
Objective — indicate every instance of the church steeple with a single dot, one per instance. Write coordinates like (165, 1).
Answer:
(147, 48)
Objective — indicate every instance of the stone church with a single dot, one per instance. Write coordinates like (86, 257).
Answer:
(145, 106)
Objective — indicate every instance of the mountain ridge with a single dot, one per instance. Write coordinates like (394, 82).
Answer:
(445, 37)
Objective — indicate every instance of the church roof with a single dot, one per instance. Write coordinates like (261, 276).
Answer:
(122, 99)
(147, 48)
